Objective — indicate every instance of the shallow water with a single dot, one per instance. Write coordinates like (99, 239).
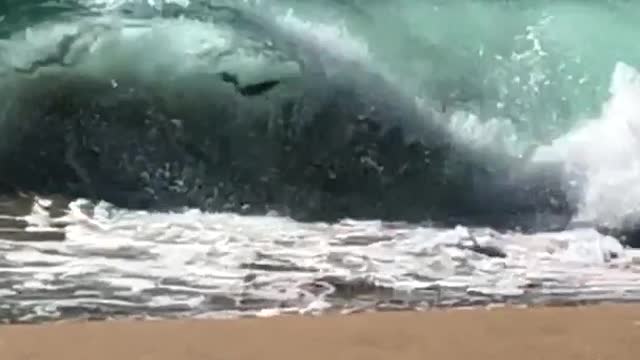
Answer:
(548, 83)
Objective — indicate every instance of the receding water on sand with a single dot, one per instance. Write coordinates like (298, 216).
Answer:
(116, 263)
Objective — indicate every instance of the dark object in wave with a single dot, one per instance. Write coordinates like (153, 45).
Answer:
(249, 90)
(323, 146)
(486, 250)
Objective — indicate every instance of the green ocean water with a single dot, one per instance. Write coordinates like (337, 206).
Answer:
(538, 65)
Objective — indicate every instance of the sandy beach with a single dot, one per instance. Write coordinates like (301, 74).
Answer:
(599, 332)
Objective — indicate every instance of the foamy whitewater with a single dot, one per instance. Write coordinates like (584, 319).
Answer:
(520, 90)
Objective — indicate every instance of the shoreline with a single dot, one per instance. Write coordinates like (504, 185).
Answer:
(582, 332)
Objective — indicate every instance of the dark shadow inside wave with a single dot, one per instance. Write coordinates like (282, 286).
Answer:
(327, 144)
(138, 147)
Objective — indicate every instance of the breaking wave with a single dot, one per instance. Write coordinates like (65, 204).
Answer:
(258, 157)
(214, 106)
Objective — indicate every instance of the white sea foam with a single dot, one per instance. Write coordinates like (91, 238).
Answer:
(188, 258)
(605, 153)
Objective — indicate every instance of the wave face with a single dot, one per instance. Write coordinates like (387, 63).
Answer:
(219, 108)
(180, 148)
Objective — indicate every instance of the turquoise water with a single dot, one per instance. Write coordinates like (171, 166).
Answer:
(541, 66)
(511, 75)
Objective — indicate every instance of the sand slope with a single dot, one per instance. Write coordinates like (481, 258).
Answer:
(603, 332)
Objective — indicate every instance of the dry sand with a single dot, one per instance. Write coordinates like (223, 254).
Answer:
(602, 332)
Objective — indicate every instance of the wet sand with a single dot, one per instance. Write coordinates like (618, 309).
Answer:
(581, 333)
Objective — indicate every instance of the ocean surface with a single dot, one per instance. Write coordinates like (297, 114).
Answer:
(550, 84)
